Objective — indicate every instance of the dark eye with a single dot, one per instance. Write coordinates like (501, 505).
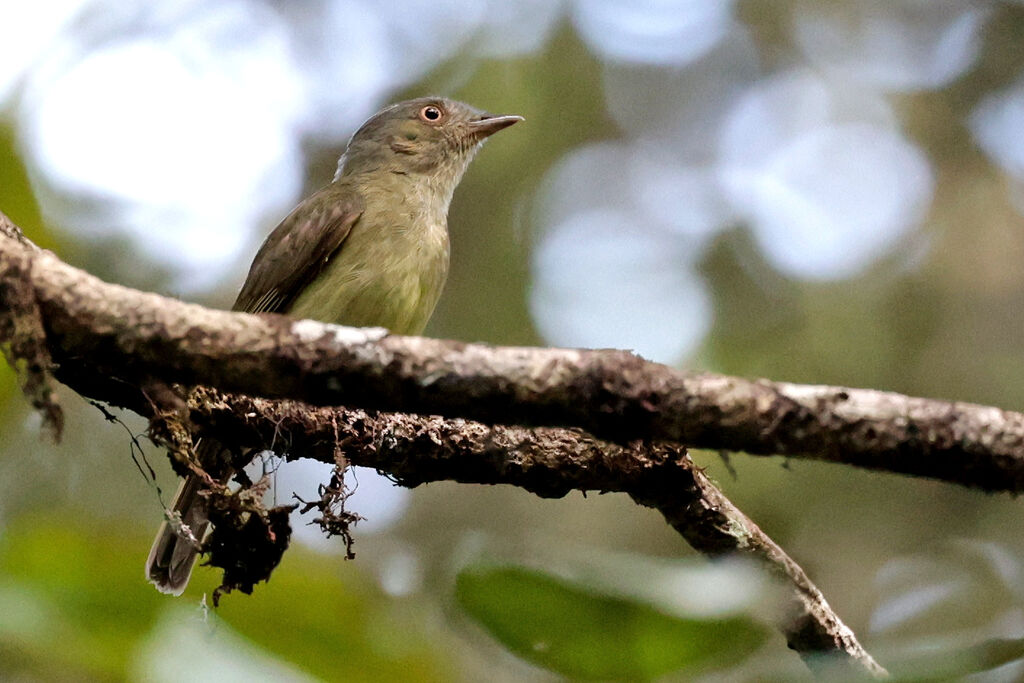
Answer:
(431, 113)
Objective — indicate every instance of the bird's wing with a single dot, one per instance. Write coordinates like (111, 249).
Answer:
(299, 248)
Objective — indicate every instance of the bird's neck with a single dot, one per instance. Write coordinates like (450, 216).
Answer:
(432, 184)
(420, 199)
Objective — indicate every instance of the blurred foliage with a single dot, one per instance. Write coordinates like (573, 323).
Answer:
(584, 634)
(16, 195)
(67, 581)
(952, 661)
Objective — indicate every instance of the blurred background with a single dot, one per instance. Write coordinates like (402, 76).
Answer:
(824, 191)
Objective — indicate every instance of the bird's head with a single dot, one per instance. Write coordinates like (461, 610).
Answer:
(432, 136)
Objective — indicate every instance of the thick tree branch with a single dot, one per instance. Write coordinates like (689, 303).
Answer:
(107, 339)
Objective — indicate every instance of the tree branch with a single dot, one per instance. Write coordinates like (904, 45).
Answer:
(549, 462)
(106, 340)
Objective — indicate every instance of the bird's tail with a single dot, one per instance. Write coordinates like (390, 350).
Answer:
(174, 552)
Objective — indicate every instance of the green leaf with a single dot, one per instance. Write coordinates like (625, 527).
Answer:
(947, 663)
(16, 197)
(579, 632)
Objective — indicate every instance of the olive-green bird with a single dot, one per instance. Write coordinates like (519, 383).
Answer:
(369, 249)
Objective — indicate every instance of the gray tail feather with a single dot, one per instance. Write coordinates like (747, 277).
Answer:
(173, 554)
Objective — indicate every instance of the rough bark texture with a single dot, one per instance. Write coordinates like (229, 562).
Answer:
(107, 340)
(21, 327)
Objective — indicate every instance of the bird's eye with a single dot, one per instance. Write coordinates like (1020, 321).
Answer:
(430, 113)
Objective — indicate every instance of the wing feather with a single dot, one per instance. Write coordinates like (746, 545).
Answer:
(299, 248)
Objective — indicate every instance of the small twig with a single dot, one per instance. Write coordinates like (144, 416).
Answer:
(138, 453)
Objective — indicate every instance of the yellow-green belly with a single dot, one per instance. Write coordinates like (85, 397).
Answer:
(384, 277)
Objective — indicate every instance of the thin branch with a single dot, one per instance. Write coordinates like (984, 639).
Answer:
(106, 340)
(549, 462)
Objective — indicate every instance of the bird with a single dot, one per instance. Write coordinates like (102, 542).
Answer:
(370, 249)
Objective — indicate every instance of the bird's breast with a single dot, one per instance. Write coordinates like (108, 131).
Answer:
(388, 273)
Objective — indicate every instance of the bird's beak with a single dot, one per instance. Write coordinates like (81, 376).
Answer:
(488, 124)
